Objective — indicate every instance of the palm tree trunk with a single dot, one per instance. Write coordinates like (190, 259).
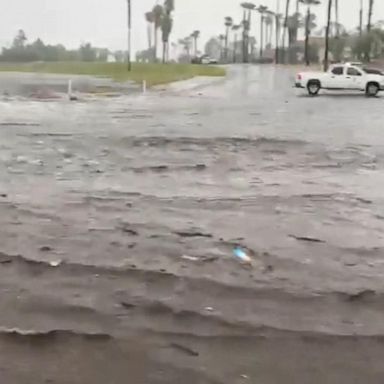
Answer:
(361, 18)
(234, 47)
(244, 37)
(261, 34)
(307, 61)
(129, 25)
(285, 26)
(369, 27)
(155, 46)
(297, 6)
(247, 36)
(221, 50)
(164, 51)
(337, 18)
(226, 44)
(326, 53)
(277, 32)
(149, 32)
(370, 11)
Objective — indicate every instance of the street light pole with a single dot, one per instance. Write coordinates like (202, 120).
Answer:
(129, 24)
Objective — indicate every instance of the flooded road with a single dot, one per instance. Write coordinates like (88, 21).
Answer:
(119, 218)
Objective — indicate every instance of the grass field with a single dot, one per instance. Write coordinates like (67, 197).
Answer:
(154, 74)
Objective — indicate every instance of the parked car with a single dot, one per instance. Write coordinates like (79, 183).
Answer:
(205, 59)
(373, 71)
(342, 77)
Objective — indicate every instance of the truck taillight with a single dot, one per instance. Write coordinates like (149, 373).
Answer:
(299, 76)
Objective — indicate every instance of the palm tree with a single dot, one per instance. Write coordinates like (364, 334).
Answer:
(235, 28)
(369, 27)
(361, 18)
(186, 44)
(150, 21)
(294, 23)
(309, 4)
(228, 22)
(287, 4)
(169, 6)
(278, 17)
(129, 25)
(326, 61)
(166, 26)
(222, 42)
(245, 34)
(370, 11)
(158, 12)
(246, 23)
(333, 27)
(195, 36)
(269, 27)
(262, 9)
(337, 18)
(166, 29)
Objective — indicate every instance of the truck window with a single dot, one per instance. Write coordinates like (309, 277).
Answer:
(353, 72)
(337, 71)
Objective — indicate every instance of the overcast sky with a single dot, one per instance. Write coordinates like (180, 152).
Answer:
(102, 22)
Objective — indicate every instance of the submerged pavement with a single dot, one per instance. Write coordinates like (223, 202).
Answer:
(119, 218)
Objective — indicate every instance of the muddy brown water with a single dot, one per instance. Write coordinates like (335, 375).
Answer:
(101, 200)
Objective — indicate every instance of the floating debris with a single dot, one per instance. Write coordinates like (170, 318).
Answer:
(188, 351)
(21, 159)
(46, 248)
(193, 234)
(362, 295)
(308, 239)
(190, 258)
(55, 263)
(240, 254)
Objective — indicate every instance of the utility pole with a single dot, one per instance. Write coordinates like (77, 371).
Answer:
(326, 53)
(129, 25)
(307, 21)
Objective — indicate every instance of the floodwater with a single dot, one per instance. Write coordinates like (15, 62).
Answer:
(119, 218)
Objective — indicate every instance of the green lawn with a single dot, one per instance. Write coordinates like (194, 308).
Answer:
(154, 74)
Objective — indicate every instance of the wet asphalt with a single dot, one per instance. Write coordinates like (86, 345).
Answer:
(119, 218)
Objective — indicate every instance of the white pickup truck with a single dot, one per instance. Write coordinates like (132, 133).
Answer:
(342, 77)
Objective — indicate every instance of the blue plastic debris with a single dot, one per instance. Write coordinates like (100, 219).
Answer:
(240, 254)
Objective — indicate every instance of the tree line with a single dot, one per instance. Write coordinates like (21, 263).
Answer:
(23, 51)
(281, 31)
(278, 33)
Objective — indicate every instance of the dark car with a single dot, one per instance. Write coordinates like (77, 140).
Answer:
(373, 71)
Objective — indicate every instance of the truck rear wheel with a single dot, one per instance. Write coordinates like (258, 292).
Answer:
(372, 89)
(313, 87)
